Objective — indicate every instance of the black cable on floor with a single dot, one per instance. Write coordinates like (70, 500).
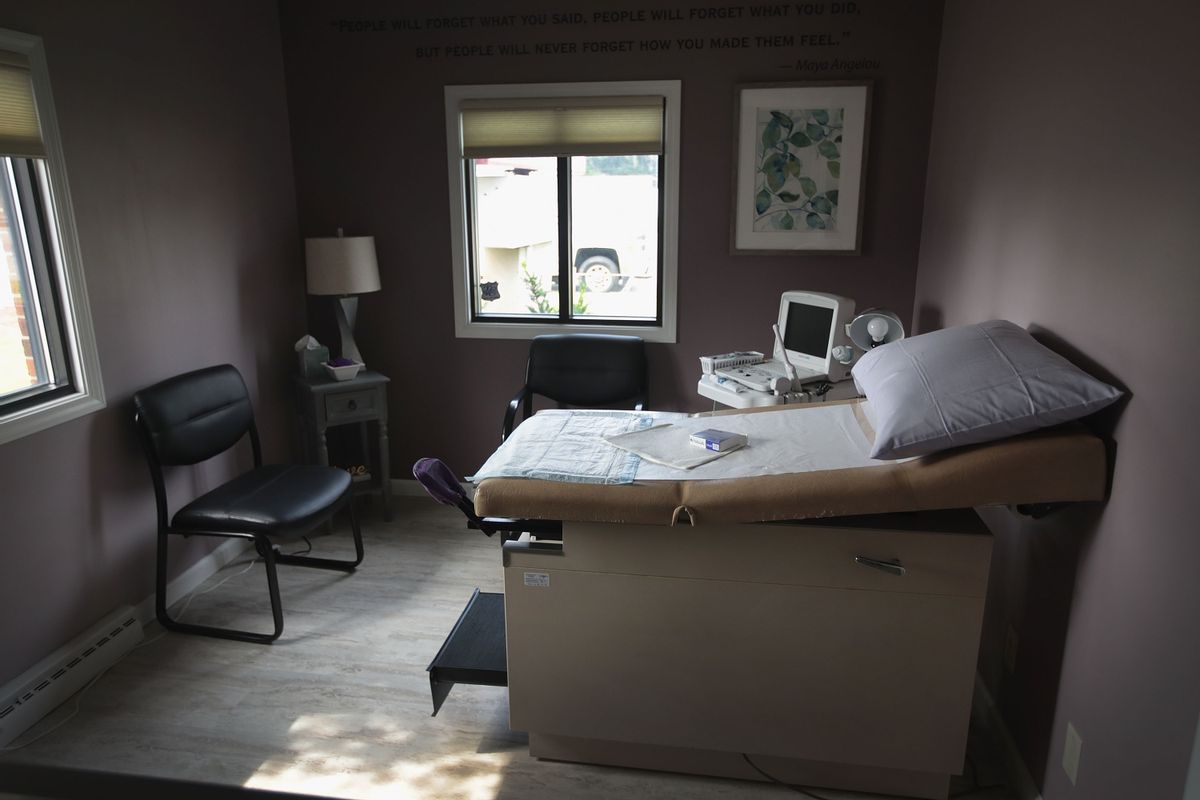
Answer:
(975, 787)
(773, 779)
(977, 790)
(305, 551)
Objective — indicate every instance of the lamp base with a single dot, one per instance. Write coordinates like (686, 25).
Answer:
(346, 310)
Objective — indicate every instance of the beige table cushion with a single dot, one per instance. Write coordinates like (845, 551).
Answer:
(1063, 464)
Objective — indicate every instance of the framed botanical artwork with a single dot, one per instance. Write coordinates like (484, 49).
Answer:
(800, 153)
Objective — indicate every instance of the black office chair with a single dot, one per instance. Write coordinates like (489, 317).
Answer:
(581, 369)
(192, 417)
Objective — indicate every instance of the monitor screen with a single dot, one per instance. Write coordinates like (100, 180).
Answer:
(807, 329)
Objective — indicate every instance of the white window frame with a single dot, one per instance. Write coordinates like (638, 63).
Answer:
(66, 267)
(464, 326)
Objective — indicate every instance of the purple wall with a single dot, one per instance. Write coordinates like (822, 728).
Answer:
(1062, 194)
(174, 127)
(370, 151)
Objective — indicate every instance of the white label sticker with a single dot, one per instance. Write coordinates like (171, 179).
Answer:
(538, 579)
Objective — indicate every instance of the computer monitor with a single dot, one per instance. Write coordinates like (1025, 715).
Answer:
(811, 324)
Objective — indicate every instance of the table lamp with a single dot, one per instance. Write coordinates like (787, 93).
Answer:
(344, 266)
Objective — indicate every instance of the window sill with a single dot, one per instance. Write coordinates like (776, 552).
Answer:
(509, 330)
(22, 423)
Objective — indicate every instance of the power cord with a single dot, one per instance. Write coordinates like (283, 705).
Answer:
(64, 720)
(773, 779)
(306, 550)
(196, 592)
(975, 786)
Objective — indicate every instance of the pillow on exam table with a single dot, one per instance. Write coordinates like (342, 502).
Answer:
(970, 384)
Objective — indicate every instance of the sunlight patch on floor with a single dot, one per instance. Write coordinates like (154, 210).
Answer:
(378, 727)
(347, 755)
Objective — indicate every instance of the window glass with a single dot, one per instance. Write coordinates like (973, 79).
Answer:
(614, 237)
(18, 370)
(518, 223)
(28, 312)
(516, 236)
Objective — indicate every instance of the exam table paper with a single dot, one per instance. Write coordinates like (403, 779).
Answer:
(807, 438)
(569, 446)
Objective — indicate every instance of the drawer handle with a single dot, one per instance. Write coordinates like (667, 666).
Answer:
(352, 405)
(890, 567)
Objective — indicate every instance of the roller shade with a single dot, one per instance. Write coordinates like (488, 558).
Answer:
(20, 133)
(562, 126)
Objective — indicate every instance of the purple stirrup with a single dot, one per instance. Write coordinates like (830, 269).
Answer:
(439, 481)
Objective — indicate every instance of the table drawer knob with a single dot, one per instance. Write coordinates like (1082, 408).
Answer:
(890, 567)
(352, 405)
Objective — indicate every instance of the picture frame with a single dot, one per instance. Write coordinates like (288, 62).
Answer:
(800, 156)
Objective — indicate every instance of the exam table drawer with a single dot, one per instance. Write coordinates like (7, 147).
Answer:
(948, 556)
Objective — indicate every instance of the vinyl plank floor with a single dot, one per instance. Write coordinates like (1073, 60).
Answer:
(340, 705)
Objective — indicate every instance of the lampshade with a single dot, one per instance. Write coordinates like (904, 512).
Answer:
(341, 265)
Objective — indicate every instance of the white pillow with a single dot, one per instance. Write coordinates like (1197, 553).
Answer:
(970, 384)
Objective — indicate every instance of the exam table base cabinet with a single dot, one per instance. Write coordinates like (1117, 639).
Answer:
(682, 648)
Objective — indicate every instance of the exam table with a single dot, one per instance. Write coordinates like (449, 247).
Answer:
(823, 626)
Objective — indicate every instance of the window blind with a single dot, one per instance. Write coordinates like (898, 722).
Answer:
(20, 132)
(562, 126)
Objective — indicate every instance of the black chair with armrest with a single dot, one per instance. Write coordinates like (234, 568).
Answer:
(581, 369)
(192, 417)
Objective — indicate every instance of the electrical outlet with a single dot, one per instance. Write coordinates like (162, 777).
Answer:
(1071, 751)
(1010, 649)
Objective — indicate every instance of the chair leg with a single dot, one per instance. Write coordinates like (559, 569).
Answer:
(271, 557)
(331, 563)
(164, 619)
(268, 554)
(355, 531)
(160, 579)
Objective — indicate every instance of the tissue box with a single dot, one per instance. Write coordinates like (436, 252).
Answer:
(717, 441)
(312, 362)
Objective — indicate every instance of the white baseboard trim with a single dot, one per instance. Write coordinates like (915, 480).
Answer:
(193, 576)
(1019, 779)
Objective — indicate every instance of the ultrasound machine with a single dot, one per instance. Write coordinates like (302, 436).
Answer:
(811, 356)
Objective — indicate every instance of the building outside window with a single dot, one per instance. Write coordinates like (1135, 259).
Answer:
(49, 371)
(564, 207)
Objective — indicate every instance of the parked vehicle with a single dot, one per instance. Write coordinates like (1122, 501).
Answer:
(601, 267)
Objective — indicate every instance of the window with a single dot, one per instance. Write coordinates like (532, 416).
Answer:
(49, 372)
(564, 207)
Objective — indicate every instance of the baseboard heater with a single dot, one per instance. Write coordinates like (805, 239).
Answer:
(45, 686)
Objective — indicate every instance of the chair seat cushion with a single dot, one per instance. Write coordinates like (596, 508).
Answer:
(269, 499)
